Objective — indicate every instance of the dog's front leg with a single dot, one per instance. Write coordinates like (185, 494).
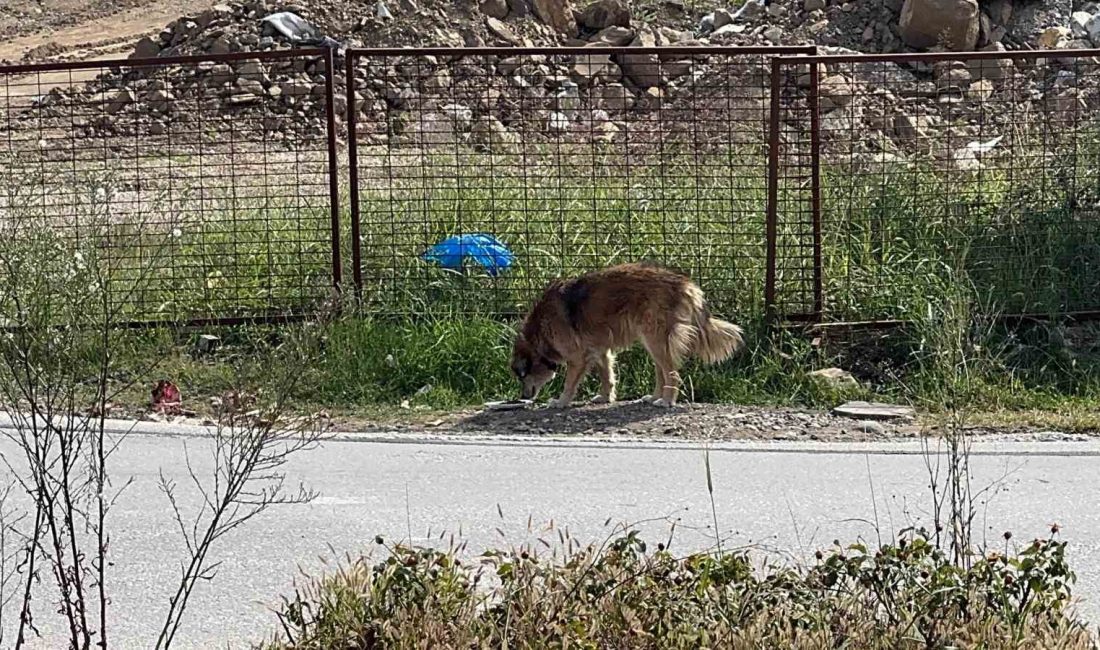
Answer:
(574, 373)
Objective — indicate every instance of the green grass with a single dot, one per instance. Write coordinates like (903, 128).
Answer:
(897, 238)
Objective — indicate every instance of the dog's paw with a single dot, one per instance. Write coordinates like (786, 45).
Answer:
(558, 404)
(600, 399)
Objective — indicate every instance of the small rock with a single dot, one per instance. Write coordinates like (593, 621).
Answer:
(557, 122)
(773, 34)
(159, 100)
(1053, 38)
(613, 98)
(296, 87)
(221, 74)
(251, 86)
(118, 100)
(910, 127)
(836, 378)
(871, 427)
(490, 135)
(721, 18)
(873, 411)
(813, 5)
(557, 14)
(980, 90)
(219, 45)
(207, 343)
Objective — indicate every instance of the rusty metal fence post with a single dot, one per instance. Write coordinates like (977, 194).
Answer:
(771, 228)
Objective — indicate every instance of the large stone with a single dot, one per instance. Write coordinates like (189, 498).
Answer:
(589, 67)
(992, 69)
(613, 98)
(836, 91)
(557, 14)
(1092, 29)
(146, 48)
(1079, 23)
(873, 411)
(495, 8)
(910, 127)
(644, 70)
(951, 23)
(605, 13)
(502, 31)
(613, 35)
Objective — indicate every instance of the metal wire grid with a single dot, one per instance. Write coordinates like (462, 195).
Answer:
(937, 171)
(573, 158)
(202, 186)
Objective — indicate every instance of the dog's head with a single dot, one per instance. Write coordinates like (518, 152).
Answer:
(532, 366)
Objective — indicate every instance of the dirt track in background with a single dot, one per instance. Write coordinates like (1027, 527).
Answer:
(52, 30)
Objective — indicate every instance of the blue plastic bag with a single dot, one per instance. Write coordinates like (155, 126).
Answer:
(487, 251)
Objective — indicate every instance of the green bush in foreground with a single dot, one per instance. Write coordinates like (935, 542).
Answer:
(623, 595)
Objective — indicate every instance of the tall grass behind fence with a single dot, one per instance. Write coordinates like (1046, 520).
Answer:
(203, 190)
(940, 167)
(655, 154)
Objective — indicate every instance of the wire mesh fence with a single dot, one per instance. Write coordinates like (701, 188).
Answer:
(548, 162)
(199, 188)
(938, 170)
(836, 188)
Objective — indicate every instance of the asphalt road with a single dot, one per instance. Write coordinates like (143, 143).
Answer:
(789, 498)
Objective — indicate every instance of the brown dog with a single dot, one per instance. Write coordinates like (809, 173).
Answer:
(580, 323)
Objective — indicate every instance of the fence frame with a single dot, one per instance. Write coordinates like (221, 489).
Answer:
(816, 318)
(354, 55)
(327, 55)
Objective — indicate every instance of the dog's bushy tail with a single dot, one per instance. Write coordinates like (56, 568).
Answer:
(717, 340)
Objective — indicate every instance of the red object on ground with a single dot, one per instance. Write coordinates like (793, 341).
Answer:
(166, 397)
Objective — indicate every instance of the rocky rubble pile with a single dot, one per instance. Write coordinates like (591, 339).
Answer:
(490, 101)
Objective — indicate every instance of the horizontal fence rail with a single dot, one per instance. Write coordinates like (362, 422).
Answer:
(479, 175)
(199, 189)
(904, 176)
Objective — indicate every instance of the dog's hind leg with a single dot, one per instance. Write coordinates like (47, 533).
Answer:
(574, 375)
(660, 357)
(605, 365)
(667, 386)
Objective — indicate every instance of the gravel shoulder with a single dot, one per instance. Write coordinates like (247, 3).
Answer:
(691, 422)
